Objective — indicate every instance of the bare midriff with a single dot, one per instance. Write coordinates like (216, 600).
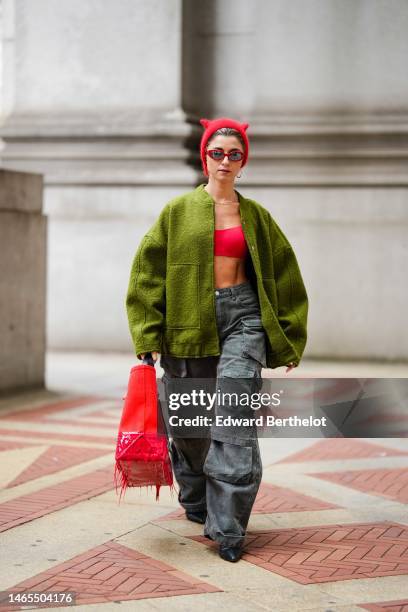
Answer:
(228, 271)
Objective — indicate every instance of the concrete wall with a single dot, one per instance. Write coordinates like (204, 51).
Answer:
(95, 103)
(111, 119)
(22, 281)
(323, 86)
(1, 56)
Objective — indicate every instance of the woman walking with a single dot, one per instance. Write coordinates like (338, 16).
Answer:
(216, 290)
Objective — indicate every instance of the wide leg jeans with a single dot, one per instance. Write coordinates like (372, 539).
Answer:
(222, 473)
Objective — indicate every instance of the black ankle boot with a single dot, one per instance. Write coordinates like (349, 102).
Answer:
(197, 517)
(230, 553)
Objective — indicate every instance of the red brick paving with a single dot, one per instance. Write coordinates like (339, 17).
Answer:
(345, 448)
(6, 445)
(33, 413)
(272, 499)
(400, 605)
(113, 572)
(329, 553)
(306, 555)
(26, 508)
(388, 483)
(81, 423)
(112, 413)
(51, 435)
(55, 459)
(387, 418)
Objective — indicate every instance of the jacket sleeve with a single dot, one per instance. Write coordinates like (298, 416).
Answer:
(291, 292)
(146, 296)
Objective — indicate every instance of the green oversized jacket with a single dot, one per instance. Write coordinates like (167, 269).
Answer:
(170, 300)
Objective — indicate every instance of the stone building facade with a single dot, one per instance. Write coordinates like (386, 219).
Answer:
(103, 98)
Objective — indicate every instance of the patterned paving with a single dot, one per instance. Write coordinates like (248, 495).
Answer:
(110, 414)
(79, 423)
(7, 445)
(70, 433)
(272, 499)
(345, 448)
(113, 572)
(400, 605)
(54, 435)
(55, 459)
(388, 483)
(329, 553)
(36, 413)
(29, 507)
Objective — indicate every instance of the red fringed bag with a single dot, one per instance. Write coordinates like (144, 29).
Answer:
(142, 457)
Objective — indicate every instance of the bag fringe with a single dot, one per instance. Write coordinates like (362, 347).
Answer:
(121, 480)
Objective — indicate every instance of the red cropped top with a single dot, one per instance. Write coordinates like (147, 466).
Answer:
(230, 242)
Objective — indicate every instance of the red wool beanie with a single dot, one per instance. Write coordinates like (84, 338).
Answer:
(212, 126)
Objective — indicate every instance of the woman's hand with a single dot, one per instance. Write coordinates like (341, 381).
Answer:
(155, 355)
(290, 367)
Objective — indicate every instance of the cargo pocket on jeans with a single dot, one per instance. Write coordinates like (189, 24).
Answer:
(254, 344)
(229, 462)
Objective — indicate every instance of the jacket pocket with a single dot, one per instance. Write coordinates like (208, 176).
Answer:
(254, 344)
(270, 288)
(182, 296)
(229, 462)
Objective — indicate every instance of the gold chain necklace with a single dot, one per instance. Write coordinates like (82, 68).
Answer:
(224, 203)
(227, 202)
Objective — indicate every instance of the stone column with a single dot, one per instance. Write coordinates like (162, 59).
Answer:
(22, 281)
(323, 85)
(93, 100)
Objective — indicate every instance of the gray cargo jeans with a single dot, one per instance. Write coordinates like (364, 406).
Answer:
(222, 473)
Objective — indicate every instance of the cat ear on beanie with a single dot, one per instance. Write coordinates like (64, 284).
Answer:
(211, 126)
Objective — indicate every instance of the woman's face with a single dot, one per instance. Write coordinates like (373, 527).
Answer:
(224, 170)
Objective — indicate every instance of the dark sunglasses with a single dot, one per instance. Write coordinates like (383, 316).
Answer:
(219, 154)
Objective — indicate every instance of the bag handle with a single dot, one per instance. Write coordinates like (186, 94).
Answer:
(148, 359)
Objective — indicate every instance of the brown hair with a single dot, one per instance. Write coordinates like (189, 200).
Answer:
(227, 131)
